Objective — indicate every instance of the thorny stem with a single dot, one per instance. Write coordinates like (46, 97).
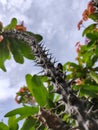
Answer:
(77, 108)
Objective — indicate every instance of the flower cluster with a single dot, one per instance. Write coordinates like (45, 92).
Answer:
(78, 81)
(87, 12)
(24, 96)
(78, 47)
(20, 27)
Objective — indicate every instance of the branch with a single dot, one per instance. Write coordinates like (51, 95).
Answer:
(74, 106)
(53, 121)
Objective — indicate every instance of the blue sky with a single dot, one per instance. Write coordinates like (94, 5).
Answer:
(56, 21)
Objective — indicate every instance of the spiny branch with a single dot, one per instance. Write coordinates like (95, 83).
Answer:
(74, 106)
(53, 121)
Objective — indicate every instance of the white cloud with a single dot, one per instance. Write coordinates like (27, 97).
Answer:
(21, 5)
(43, 3)
(7, 90)
(4, 2)
(4, 89)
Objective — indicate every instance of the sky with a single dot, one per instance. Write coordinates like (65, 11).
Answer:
(56, 21)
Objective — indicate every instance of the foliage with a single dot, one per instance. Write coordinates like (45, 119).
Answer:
(9, 45)
(57, 98)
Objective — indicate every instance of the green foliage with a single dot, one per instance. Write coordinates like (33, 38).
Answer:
(75, 71)
(94, 76)
(87, 90)
(3, 126)
(12, 123)
(4, 53)
(16, 52)
(12, 25)
(37, 36)
(23, 111)
(29, 124)
(94, 16)
(37, 89)
(89, 29)
(18, 48)
(23, 50)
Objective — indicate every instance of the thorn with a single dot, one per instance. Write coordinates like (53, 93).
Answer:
(56, 91)
(55, 61)
(36, 64)
(36, 60)
(89, 111)
(45, 49)
(51, 57)
(77, 127)
(50, 54)
(46, 52)
(43, 54)
(41, 45)
(41, 72)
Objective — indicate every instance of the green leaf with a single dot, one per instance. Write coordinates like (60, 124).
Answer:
(12, 123)
(91, 43)
(13, 22)
(29, 124)
(90, 90)
(37, 89)
(20, 49)
(96, 51)
(51, 94)
(25, 49)
(89, 60)
(3, 126)
(94, 76)
(94, 16)
(12, 25)
(50, 102)
(89, 29)
(43, 78)
(93, 36)
(23, 111)
(37, 36)
(4, 53)
(87, 89)
(15, 49)
(75, 70)
(70, 65)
